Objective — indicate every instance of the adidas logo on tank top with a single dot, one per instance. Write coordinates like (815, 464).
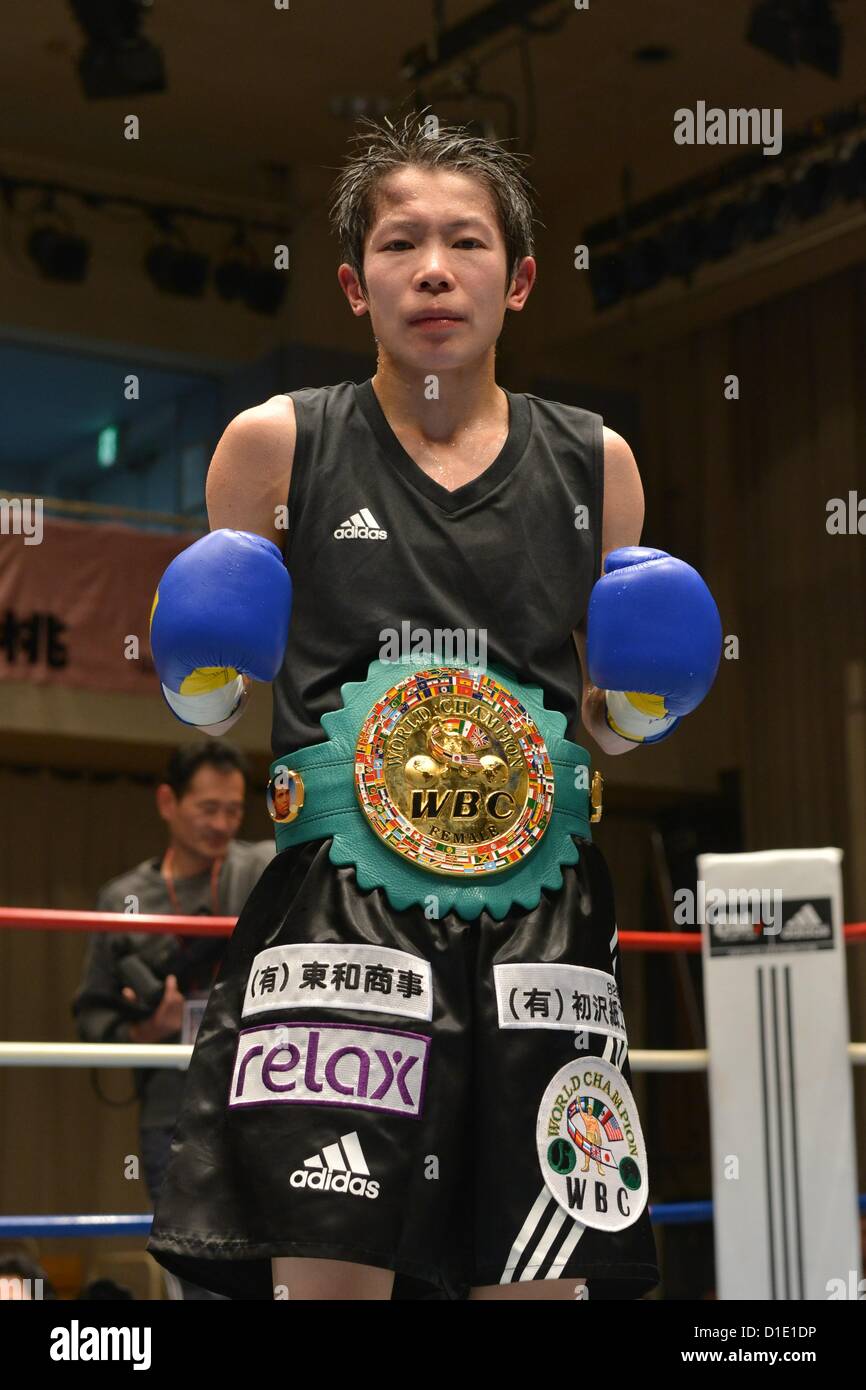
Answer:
(361, 526)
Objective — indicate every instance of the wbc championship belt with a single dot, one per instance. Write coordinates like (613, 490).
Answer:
(441, 782)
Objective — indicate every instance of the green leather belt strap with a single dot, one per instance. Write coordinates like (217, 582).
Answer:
(331, 807)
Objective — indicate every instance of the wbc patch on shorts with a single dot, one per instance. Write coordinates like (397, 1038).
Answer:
(558, 996)
(330, 1064)
(590, 1145)
(331, 975)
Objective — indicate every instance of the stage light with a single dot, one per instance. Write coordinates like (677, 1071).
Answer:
(230, 277)
(265, 289)
(59, 255)
(232, 273)
(241, 276)
(176, 269)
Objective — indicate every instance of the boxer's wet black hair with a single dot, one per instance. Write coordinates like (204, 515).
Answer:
(416, 140)
(186, 760)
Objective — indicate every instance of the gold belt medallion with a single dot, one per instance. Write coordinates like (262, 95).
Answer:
(452, 772)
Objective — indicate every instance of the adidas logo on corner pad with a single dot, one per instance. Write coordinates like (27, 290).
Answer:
(340, 1167)
(361, 526)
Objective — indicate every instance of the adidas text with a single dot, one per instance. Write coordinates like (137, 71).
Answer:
(361, 533)
(361, 526)
(328, 1181)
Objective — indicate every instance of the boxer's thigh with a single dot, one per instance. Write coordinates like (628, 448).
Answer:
(307, 1279)
(533, 1290)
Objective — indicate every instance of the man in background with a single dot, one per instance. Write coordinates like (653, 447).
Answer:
(144, 987)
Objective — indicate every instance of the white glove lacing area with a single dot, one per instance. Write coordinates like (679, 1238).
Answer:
(211, 707)
(631, 723)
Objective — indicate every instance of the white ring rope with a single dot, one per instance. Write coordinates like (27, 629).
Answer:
(22, 1054)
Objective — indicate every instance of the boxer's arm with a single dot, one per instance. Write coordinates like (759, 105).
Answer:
(248, 484)
(622, 523)
(250, 472)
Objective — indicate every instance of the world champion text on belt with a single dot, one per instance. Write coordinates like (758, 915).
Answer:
(462, 775)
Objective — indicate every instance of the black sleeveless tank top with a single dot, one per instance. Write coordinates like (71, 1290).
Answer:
(378, 551)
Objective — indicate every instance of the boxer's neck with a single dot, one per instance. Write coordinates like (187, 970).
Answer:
(465, 404)
(452, 439)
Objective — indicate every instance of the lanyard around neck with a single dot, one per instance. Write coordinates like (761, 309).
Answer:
(167, 872)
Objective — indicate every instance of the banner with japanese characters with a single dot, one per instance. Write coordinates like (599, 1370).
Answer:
(75, 601)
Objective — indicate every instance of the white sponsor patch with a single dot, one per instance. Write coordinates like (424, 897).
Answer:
(330, 1064)
(591, 1147)
(558, 996)
(372, 979)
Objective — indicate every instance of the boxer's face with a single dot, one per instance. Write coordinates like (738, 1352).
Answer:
(436, 243)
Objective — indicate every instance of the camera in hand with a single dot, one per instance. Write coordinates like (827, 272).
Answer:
(146, 967)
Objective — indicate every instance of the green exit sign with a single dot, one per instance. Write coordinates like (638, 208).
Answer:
(106, 446)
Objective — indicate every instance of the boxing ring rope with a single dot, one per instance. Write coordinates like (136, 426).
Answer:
(20, 1054)
(24, 1054)
(661, 1214)
(60, 919)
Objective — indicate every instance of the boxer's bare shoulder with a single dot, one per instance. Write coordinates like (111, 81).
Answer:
(623, 513)
(249, 475)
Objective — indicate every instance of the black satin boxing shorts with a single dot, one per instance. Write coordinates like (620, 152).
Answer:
(366, 1083)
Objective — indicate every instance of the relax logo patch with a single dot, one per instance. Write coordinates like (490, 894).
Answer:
(330, 1064)
(590, 1145)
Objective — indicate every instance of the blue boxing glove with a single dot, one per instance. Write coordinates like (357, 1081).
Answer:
(653, 641)
(220, 616)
